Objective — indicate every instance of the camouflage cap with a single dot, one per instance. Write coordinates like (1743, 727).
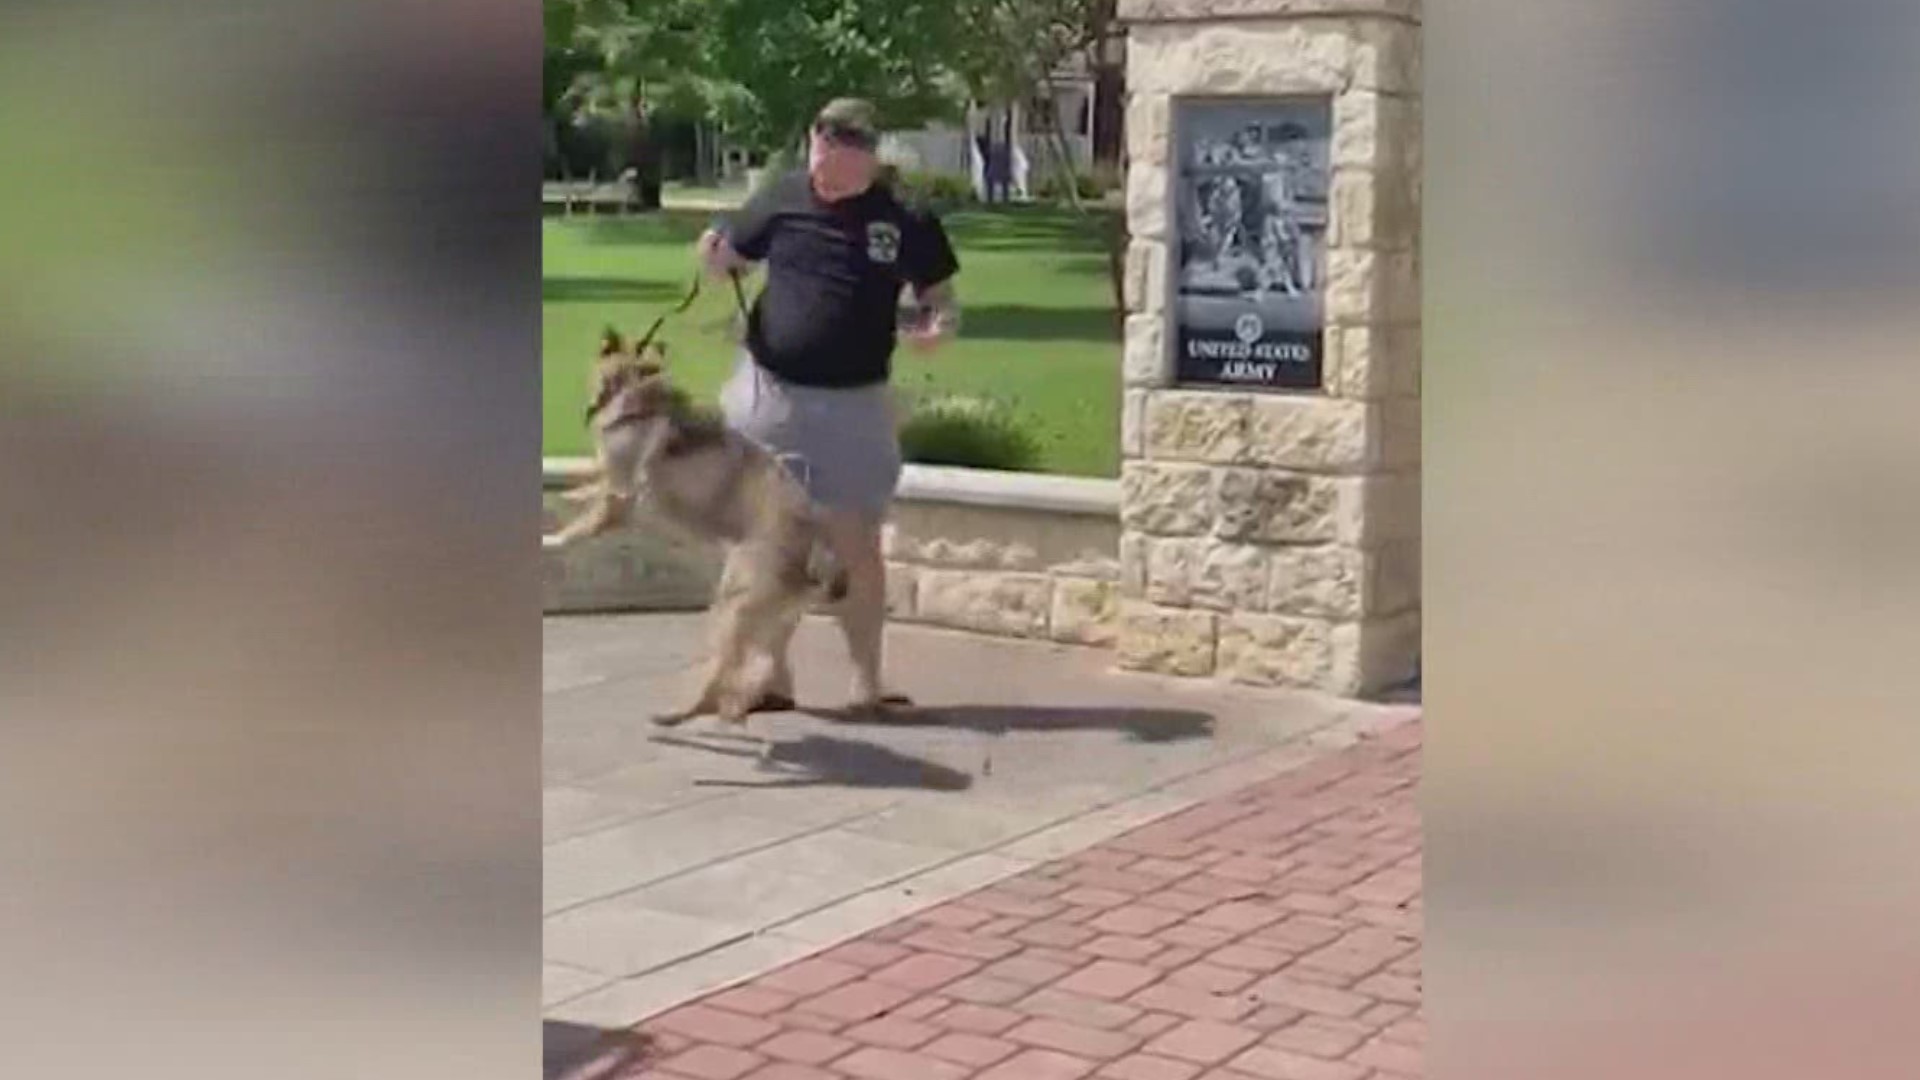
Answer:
(849, 120)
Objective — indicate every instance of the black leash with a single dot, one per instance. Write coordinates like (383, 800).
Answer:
(739, 294)
(693, 293)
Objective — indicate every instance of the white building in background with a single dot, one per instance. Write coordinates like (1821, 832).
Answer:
(953, 148)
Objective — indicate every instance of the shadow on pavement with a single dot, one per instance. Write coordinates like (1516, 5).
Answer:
(578, 1052)
(1140, 725)
(823, 761)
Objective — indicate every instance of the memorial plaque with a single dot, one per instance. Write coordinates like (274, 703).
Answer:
(1250, 214)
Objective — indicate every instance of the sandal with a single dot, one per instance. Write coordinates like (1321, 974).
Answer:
(882, 704)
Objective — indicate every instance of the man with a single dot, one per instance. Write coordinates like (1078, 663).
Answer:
(1000, 172)
(812, 384)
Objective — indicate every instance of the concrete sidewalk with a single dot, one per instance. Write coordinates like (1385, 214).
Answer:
(1270, 934)
(678, 864)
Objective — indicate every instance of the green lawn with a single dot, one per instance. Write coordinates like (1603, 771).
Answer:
(1037, 330)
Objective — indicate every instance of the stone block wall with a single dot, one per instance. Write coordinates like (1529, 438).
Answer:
(1010, 571)
(1273, 538)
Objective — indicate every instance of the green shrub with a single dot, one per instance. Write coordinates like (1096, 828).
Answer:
(967, 431)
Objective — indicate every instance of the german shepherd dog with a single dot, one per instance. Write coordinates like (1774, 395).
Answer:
(724, 488)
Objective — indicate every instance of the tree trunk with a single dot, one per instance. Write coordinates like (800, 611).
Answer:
(1061, 153)
(643, 157)
(1109, 113)
(708, 139)
(1109, 85)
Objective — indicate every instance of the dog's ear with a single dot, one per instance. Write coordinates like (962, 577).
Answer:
(611, 342)
(653, 353)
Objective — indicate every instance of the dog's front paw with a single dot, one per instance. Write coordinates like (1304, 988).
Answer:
(552, 542)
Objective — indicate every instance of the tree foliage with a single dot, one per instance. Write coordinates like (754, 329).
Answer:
(1009, 49)
(620, 66)
(761, 68)
(647, 56)
(792, 56)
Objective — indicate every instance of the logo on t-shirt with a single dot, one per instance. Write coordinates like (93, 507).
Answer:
(883, 241)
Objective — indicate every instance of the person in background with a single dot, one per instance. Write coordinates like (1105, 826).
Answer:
(999, 171)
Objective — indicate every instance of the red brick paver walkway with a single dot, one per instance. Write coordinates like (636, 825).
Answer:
(1270, 935)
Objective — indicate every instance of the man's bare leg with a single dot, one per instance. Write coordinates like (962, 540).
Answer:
(863, 613)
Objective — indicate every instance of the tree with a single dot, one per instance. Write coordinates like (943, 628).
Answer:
(761, 68)
(629, 62)
(789, 57)
(1010, 50)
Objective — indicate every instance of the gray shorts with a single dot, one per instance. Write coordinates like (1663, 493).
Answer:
(844, 444)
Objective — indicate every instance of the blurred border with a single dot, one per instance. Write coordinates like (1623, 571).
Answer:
(269, 459)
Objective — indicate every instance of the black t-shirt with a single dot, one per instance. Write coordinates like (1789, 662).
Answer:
(827, 315)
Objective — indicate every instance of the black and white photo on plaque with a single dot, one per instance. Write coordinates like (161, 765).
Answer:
(1250, 202)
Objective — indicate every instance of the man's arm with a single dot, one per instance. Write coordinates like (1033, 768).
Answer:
(745, 238)
(939, 321)
(718, 257)
(931, 268)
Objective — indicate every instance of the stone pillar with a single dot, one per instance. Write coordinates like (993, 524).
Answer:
(1271, 512)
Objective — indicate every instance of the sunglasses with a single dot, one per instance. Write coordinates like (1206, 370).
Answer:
(842, 135)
